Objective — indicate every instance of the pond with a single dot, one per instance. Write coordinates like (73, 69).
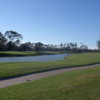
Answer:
(41, 58)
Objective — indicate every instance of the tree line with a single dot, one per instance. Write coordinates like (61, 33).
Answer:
(11, 41)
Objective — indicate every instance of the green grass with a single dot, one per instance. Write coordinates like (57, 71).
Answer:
(25, 53)
(20, 68)
(76, 85)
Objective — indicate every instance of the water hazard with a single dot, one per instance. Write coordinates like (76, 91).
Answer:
(42, 58)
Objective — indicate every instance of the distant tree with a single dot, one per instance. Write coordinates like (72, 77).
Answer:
(75, 45)
(49, 47)
(23, 47)
(14, 40)
(61, 46)
(17, 42)
(84, 48)
(55, 47)
(11, 40)
(13, 36)
(2, 42)
(98, 44)
(38, 46)
(64, 45)
(33, 46)
(68, 46)
(71, 45)
(11, 46)
(28, 46)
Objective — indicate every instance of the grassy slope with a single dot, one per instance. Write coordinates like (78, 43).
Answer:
(25, 53)
(76, 85)
(13, 69)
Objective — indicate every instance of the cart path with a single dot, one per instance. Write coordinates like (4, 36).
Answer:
(12, 81)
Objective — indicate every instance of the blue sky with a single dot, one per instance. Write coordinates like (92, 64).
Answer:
(52, 21)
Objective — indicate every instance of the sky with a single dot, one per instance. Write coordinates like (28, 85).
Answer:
(52, 21)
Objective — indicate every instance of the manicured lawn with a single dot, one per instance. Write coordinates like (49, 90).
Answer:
(76, 85)
(20, 68)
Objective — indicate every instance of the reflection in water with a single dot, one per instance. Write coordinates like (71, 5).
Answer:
(42, 58)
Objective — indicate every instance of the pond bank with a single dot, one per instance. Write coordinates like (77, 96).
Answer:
(27, 53)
